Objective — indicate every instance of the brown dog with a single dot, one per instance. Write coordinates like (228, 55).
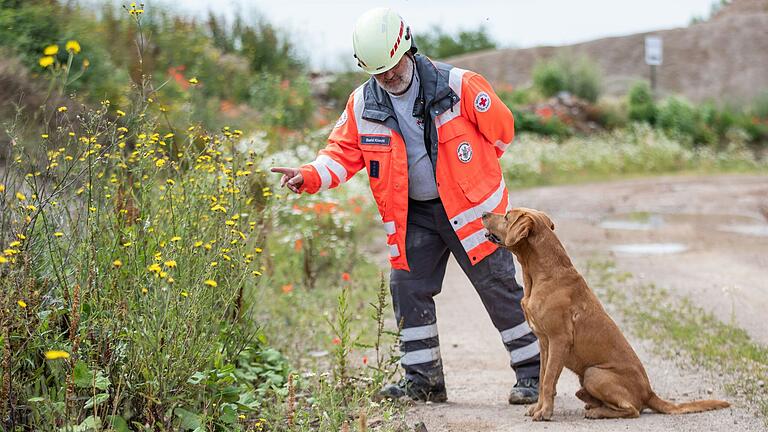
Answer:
(574, 330)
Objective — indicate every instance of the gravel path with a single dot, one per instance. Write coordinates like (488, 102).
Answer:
(476, 365)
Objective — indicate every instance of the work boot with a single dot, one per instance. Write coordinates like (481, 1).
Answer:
(525, 391)
(406, 387)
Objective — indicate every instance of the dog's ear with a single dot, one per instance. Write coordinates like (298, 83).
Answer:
(518, 228)
(547, 220)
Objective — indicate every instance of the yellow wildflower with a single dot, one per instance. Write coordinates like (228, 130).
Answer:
(21, 236)
(20, 196)
(22, 304)
(163, 274)
(198, 243)
(193, 81)
(62, 109)
(184, 294)
(120, 113)
(3, 260)
(170, 182)
(171, 280)
(117, 263)
(51, 50)
(56, 354)
(154, 268)
(212, 283)
(170, 264)
(2, 188)
(72, 46)
(46, 61)
(14, 243)
(58, 234)
(259, 250)
(175, 238)
(214, 263)
(126, 244)
(159, 163)
(143, 290)
(44, 136)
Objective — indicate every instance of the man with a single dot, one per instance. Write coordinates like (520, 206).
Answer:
(430, 136)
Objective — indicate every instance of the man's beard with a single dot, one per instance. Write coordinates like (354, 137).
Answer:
(400, 82)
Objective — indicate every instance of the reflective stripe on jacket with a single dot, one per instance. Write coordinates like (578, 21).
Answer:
(468, 128)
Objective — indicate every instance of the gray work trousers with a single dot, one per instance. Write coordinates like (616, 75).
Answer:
(429, 241)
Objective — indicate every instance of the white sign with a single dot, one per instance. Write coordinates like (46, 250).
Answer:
(653, 50)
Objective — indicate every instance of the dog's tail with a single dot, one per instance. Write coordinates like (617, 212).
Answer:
(660, 405)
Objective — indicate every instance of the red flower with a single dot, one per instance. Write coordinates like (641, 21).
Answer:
(365, 360)
(287, 288)
(336, 341)
(345, 276)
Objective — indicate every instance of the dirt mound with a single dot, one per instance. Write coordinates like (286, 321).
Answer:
(725, 58)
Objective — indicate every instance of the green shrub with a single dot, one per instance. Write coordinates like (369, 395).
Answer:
(526, 121)
(641, 106)
(342, 86)
(579, 76)
(759, 106)
(608, 115)
(438, 44)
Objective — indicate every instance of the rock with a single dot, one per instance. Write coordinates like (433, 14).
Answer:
(710, 390)
(420, 427)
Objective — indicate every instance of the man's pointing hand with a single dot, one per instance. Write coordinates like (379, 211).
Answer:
(291, 177)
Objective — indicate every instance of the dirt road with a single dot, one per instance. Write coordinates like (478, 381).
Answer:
(721, 241)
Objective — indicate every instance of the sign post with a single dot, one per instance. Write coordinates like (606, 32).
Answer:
(654, 54)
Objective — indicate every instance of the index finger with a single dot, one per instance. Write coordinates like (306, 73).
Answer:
(282, 170)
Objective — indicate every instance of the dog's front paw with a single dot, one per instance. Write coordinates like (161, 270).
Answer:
(532, 409)
(543, 414)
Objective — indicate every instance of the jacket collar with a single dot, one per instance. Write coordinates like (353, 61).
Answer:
(434, 82)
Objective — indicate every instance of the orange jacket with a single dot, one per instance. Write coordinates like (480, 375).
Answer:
(468, 128)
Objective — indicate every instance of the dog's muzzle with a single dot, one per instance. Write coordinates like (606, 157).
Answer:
(493, 238)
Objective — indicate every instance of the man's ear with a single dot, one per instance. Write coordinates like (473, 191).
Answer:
(518, 229)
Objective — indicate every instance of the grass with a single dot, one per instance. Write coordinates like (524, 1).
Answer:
(679, 326)
(636, 152)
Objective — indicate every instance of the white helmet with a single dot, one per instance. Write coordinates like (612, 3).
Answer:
(380, 38)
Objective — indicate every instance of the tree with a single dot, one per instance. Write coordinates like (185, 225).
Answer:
(438, 43)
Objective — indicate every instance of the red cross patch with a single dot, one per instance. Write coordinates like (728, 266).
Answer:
(482, 102)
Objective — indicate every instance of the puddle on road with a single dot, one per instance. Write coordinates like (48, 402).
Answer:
(651, 223)
(649, 248)
(752, 230)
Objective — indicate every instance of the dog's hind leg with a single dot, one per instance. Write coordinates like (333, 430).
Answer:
(591, 401)
(606, 386)
(606, 412)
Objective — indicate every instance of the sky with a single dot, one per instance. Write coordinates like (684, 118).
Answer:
(322, 29)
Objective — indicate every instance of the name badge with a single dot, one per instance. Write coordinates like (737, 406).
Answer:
(375, 139)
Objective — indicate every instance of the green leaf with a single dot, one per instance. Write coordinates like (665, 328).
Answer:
(102, 382)
(96, 400)
(228, 414)
(197, 378)
(189, 420)
(90, 424)
(117, 424)
(82, 375)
